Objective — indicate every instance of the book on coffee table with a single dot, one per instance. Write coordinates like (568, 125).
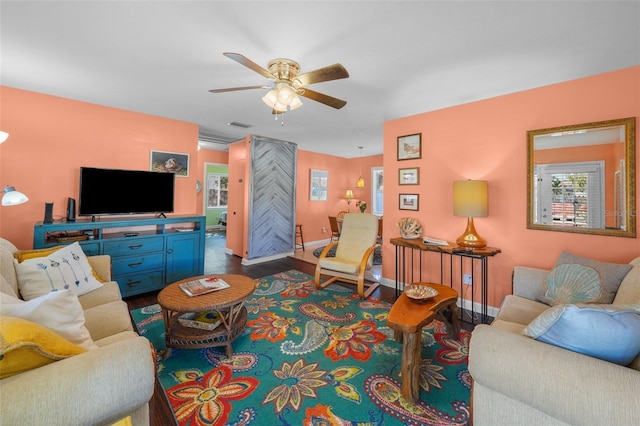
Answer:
(203, 286)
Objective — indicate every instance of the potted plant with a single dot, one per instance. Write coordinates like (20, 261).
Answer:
(362, 206)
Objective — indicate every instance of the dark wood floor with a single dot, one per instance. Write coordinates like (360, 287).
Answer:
(218, 262)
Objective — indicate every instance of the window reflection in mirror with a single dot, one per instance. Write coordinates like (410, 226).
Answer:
(581, 178)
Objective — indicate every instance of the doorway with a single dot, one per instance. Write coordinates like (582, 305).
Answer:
(215, 195)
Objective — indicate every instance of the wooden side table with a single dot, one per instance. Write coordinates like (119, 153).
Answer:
(228, 303)
(407, 317)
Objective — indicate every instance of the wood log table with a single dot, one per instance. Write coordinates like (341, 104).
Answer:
(407, 317)
(228, 303)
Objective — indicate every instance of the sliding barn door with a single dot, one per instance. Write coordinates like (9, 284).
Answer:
(272, 197)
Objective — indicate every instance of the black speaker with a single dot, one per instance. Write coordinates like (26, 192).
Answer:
(48, 213)
(71, 210)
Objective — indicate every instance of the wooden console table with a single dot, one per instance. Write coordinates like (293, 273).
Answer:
(410, 252)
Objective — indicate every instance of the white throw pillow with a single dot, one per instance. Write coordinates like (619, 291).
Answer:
(59, 311)
(67, 268)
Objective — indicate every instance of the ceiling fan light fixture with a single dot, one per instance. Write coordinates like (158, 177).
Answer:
(282, 98)
(285, 94)
(295, 103)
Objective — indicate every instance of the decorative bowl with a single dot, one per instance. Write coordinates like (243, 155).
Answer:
(420, 292)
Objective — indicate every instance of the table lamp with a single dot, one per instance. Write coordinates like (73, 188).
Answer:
(349, 196)
(470, 200)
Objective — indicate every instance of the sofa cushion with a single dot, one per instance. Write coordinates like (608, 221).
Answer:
(66, 268)
(606, 332)
(6, 263)
(572, 283)
(6, 289)
(629, 291)
(108, 319)
(520, 310)
(611, 274)
(59, 311)
(25, 345)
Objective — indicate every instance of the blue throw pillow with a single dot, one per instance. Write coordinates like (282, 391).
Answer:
(607, 332)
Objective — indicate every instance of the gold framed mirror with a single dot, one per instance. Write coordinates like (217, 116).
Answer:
(581, 178)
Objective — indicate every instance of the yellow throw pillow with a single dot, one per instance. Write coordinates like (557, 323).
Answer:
(25, 345)
(22, 255)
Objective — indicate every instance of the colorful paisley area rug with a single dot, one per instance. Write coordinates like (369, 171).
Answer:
(311, 357)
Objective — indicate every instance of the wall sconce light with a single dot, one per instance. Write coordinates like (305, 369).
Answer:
(360, 183)
(12, 197)
(3, 136)
(470, 200)
(349, 196)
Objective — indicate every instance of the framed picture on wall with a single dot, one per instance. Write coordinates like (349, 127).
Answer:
(408, 202)
(319, 185)
(410, 147)
(409, 176)
(170, 162)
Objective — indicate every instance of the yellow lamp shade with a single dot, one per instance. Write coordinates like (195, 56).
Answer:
(470, 198)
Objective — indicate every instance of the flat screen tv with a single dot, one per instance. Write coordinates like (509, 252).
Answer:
(123, 192)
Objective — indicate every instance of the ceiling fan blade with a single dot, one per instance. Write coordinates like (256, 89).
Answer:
(331, 72)
(243, 60)
(233, 89)
(322, 98)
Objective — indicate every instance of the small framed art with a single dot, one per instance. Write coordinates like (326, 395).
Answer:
(409, 176)
(410, 147)
(319, 185)
(170, 162)
(408, 202)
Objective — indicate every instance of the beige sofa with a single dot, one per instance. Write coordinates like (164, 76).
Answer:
(98, 387)
(521, 381)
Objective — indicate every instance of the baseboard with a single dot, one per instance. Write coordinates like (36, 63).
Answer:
(248, 262)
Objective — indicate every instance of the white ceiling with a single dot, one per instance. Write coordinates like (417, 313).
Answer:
(403, 57)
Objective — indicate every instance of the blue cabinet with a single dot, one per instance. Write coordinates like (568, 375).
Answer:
(146, 254)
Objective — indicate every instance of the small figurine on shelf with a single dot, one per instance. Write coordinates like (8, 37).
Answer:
(362, 206)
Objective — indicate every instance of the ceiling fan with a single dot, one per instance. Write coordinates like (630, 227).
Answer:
(288, 84)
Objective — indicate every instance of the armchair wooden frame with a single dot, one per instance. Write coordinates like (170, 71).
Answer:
(350, 278)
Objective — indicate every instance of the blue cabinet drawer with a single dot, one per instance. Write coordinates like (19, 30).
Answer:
(128, 247)
(90, 249)
(140, 283)
(135, 264)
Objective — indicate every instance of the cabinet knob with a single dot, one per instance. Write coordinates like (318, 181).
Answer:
(169, 251)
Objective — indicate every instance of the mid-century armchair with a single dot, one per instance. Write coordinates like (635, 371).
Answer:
(354, 254)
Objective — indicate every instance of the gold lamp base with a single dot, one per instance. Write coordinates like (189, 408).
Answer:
(470, 238)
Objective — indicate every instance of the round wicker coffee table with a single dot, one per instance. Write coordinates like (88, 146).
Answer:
(228, 303)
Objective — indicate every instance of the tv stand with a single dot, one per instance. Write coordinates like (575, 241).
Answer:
(146, 253)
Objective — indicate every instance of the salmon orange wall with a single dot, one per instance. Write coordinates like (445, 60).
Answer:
(50, 138)
(343, 174)
(487, 140)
